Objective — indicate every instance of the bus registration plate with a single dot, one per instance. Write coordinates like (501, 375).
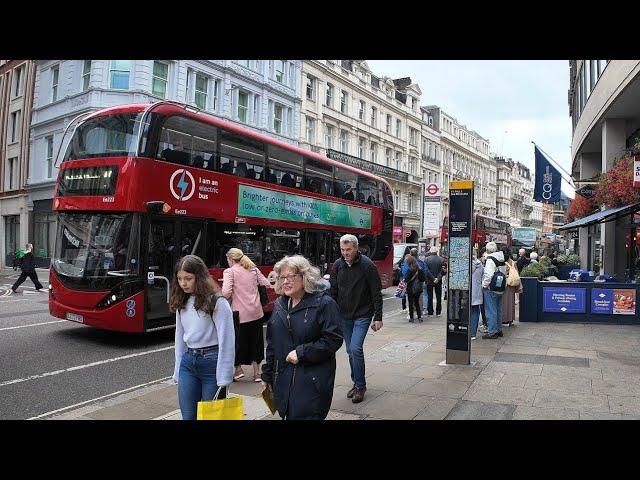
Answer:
(74, 317)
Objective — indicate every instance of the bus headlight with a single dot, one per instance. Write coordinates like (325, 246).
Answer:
(114, 297)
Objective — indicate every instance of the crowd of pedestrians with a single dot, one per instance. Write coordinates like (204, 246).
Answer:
(219, 328)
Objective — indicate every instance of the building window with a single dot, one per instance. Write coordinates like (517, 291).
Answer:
(387, 156)
(243, 107)
(374, 116)
(160, 79)
(311, 88)
(344, 99)
(256, 110)
(361, 147)
(250, 64)
(398, 127)
(328, 136)
(413, 136)
(411, 201)
(216, 94)
(414, 103)
(17, 81)
(396, 199)
(413, 164)
(398, 161)
(389, 121)
(15, 126)
(279, 71)
(12, 173)
(120, 74)
(86, 75)
(329, 96)
(49, 151)
(373, 152)
(344, 141)
(361, 111)
(201, 90)
(310, 130)
(55, 71)
(277, 117)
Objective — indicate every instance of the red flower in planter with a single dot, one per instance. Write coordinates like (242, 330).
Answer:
(580, 207)
(616, 185)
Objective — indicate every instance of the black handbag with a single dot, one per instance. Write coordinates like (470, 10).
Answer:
(262, 291)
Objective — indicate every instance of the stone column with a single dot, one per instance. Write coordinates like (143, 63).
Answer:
(613, 143)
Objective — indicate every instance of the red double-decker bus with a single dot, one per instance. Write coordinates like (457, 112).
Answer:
(142, 185)
(485, 229)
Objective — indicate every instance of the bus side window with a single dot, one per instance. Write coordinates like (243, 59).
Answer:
(344, 184)
(318, 177)
(285, 166)
(240, 156)
(185, 141)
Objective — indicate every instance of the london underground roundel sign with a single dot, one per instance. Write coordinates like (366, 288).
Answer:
(433, 189)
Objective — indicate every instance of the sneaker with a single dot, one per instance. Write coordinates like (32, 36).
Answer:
(408, 317)
(490, 336)
(358, 394)
(483, 329)
(410, 320)
(473, 338)
(351, 392)
(438, 314)
(420, 319)
(500, 334)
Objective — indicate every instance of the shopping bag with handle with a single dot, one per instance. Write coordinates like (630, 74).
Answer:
(224, 409)
(401, 291)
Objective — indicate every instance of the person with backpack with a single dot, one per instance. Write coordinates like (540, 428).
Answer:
(28, 267)
(494, 282)
(205, 340)
(414, 277)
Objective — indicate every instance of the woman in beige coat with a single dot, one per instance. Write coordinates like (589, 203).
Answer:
(509, 296)
(240, 287)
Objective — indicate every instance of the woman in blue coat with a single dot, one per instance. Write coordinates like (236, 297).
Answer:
(303, 335)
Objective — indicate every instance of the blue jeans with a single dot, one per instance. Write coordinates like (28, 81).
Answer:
(354, 332)
(197, 381)
(475, 317)
(493, 307)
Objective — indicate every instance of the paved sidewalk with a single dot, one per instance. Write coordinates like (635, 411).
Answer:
(536, 371)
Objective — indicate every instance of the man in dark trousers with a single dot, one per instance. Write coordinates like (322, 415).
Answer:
(356, 287)
(27, 265)
(434, 280)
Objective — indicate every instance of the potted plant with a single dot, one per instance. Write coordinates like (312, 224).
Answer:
(566, 263)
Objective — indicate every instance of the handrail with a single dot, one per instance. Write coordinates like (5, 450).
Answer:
(167, 281)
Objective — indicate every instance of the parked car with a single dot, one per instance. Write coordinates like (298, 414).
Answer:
(398, 251)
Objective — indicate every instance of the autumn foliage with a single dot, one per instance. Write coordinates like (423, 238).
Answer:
(616, 185)
(580, 207)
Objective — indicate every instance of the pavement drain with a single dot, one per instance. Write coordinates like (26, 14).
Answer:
(397, 352)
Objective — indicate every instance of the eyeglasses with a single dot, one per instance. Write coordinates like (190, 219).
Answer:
(288, 278)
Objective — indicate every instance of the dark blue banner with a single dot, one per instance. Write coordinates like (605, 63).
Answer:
(563, 300)
(548, 180)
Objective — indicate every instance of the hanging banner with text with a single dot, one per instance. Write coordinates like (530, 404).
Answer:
(636, 172)
(264, 203)
(459, 272)
(431, 210)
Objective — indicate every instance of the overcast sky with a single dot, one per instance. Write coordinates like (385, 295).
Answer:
(527, 99)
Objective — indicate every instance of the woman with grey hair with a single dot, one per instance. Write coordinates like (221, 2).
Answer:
(303, 336)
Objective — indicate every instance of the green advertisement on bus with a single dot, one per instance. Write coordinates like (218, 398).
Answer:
(264, 203)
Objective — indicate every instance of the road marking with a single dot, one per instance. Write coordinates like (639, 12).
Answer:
(31, 325)
(53, 412)
(81, 367)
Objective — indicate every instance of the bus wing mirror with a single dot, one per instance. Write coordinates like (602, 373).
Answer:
(157, 206)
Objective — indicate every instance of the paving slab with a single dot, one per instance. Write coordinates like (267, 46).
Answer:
(391, 382)
(588, 415)
(129, 410)
(341, 403)
(572, 352)
(470, 410)
(570, 372)
(622, 387)
(544, 359)
(428, 371)
(489, 378)
(514, 367)
(559, 399)
(624, 404)
(463, 374)
(498, 394)
(436, 409)
(440, 388)
(532, 350)
(397, 351)
(514, 380)
(395, 406)
(535, 413)
(562, 383)
(429, 358)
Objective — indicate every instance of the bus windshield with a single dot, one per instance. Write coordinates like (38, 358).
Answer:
(524, 236)
(96, 251)
(106, 136)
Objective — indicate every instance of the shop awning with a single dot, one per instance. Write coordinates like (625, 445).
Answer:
(602, 216)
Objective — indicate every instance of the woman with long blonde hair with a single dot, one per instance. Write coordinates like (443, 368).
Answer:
(240, 287)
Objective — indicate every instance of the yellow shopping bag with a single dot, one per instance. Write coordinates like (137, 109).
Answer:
(225, 409)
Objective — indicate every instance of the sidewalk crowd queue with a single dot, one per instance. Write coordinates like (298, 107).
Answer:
(310, 319)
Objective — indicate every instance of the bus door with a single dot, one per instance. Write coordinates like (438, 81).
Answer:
(316, 248)
(162, 255)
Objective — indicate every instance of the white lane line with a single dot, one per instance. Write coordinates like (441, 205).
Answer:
(32, 325)
(15, 299)
(53, 412)
(81, 367)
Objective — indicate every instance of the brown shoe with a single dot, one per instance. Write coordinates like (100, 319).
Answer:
(351, 392)
(358, 394)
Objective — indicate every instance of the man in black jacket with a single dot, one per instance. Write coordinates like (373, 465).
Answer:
(522, 261)
(434, 282)
(28, 268)
(356, 287)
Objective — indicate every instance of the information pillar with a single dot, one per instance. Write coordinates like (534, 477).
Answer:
(459, 272)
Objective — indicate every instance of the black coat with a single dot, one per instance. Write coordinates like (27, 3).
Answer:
(305, 390)
(27, 263)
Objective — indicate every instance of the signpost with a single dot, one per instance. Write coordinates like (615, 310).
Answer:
(459, 272)
(431, 211)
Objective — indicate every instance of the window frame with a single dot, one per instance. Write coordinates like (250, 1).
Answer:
(86, 75)
(156, 78)
(112, 70)
(55, 79)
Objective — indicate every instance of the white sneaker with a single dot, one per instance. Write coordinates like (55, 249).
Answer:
(483, 329)
(473, 338)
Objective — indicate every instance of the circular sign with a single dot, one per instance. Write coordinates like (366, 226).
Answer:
(433, 189)
(131, 312)
(131, 303)
(184, 188)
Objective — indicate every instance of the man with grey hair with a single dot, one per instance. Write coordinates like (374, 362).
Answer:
(356, 287)
(493, 299)
(522, 261)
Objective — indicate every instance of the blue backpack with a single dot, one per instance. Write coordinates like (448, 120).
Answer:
(499, 279)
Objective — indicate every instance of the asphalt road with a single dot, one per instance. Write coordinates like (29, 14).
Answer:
(48, 364)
